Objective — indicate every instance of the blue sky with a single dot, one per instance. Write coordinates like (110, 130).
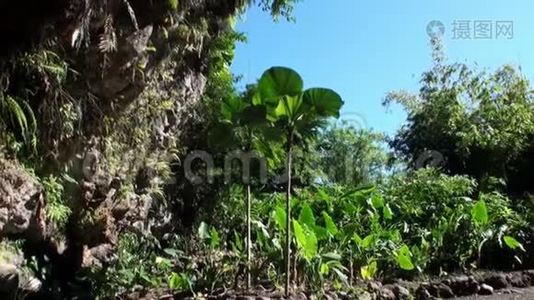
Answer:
(363, 49)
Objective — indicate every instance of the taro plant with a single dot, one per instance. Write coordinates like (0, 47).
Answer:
(297, 112)
(318, 248)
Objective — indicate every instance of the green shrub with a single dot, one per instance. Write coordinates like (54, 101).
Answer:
(56, 209)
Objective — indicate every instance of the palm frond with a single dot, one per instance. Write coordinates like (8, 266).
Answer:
(108, 39)
(18, 116)
(132, 14)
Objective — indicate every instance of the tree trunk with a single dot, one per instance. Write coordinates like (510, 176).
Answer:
(249, 240)
(288, 215)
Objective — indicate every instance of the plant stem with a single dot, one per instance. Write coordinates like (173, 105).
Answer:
(249, 240)
(351, 270)
(249, 199)
(288, 212)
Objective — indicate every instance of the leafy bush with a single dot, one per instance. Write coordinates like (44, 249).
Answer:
(482, 123)
(136, 265)
(56, 210)
(433, 210)
(407, 227)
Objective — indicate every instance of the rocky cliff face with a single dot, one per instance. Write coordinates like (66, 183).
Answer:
(20, 197)
(113, 87)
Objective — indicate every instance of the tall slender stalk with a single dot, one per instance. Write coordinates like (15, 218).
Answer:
(288, 212)
(249, 240)
(249, 200)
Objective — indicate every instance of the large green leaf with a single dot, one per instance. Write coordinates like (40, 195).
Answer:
(330, 225)
(290, 107)
(368, 241)
(360, 192)
(324, 269)
(306, 240)
(368, 272)
(377, 201)
(279, 81)
(404, 258)
(300, 236)
(238, 243)
(357, 239)
(214, 238)
(405, 262)
(306, 216)
(255, 99)
(387, 212)
(479, 213)
(325, 102)
(175, 281)
(512, 243)
(173, 4)
(320, 232)
(280, 218)
(231, 107)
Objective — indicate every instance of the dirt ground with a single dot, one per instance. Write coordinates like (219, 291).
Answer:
(517, 294)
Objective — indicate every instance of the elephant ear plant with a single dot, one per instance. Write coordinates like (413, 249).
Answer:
(296, 112)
